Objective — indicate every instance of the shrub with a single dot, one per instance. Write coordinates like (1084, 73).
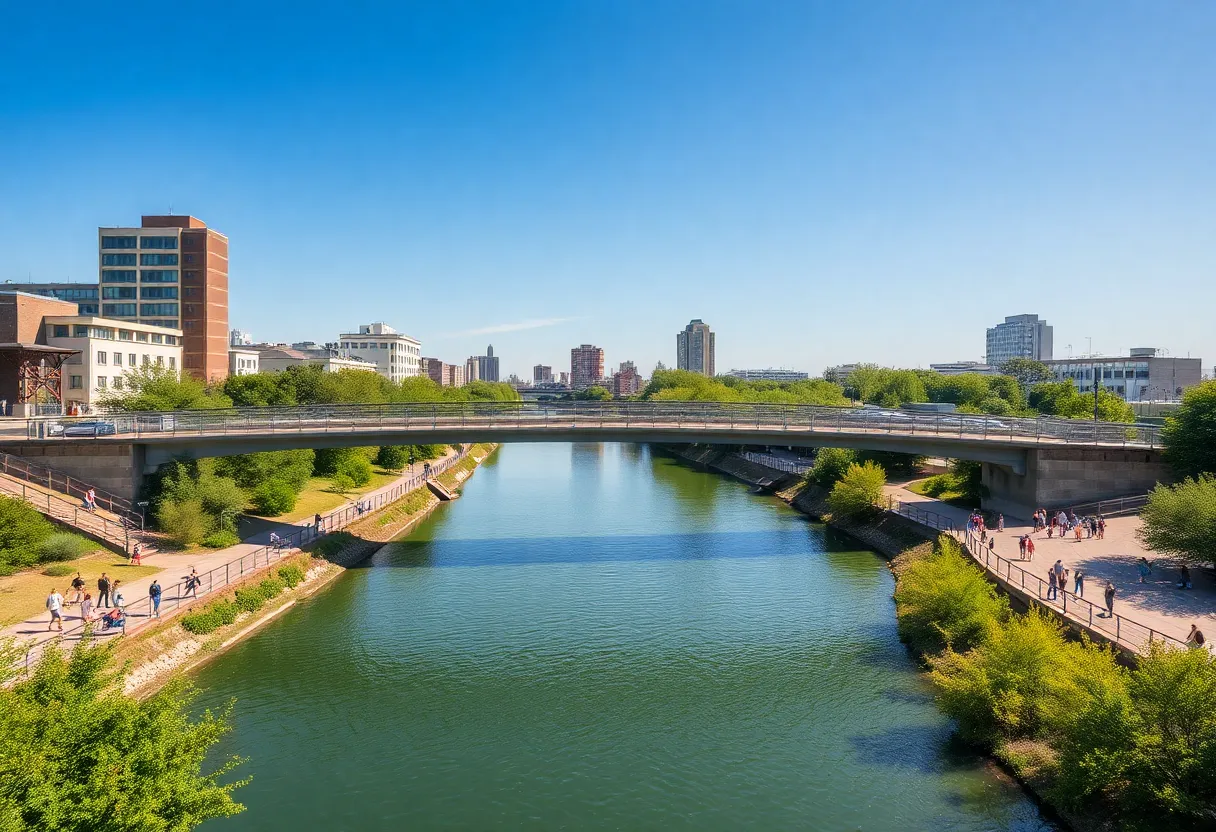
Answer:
(211, 617)
(185, 522)
(222, 499)
(329, 461)
(944, 601)
(1181, 520)
(272, 586)
(393, 457)
(58, 570)
(357, 468)
(64, 546)
(221, 539)
(830, 465)
(291, 574)
(937, 485)
(21, 530)
(859, 491)
(274, 498)
(341, 483)
(250, 599)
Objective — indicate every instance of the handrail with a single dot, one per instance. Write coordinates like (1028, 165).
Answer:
(779, 463)
(1108, 508)
(117, 532)
(64, 483)
(760, 417)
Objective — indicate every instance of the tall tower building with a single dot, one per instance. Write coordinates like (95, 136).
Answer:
(586, 366)
(1020, 336)
(695, 348)
(170, 272)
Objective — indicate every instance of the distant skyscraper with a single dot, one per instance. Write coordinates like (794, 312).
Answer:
(239, 338)
(482, 367)
(695, 348)
(626, 381)
(542, 374)
(586, 366)
(1021, 336)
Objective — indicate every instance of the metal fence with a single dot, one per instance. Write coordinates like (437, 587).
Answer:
(572, 415)
(924, 516)
(1109, 508)
(53, 480)
(778, 463)
(143, 611)
(117, 532)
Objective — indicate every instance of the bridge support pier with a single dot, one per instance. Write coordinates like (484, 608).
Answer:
(116, 467)
(1062, 477)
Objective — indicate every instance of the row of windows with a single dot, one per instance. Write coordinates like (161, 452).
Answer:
(144, 276)
(158, 292)
(160, 276)
(157, 309)
(83, 331)
(118, 292)
(383, 345)
(122, 241)
(84, 293)
(104, 358)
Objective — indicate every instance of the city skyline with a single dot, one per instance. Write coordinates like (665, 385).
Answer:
(848, 173)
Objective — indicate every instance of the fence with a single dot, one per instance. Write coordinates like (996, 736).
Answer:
(116, 532)
(779, 463)
(54, 480)
(924, 516)
(141, 612)
(1110, 508)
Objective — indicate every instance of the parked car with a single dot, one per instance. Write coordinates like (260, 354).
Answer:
(91, 428)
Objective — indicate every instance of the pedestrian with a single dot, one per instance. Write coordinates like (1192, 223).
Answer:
(1093, 527)
(154, 593)
(1051, 527)
(119, 601)
(86, 608)
(90, 500)
(1078, 530)
(1101, 527)
(1078, 583)
(54, 605)
(1062, 579)
(1195, 639)
(1109, 594)
(992, 545)
(1030, 548)
(1000, 522)
(1022, 547)
(1051, 585)
(103, 591)
(317, 520)
(137, 553)
(1184, 577)
(193, 580)
(983, 534)
(77, 589)
(1144, 568)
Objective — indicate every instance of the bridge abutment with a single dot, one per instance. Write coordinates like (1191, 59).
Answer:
(116, 467)
(1060, 477)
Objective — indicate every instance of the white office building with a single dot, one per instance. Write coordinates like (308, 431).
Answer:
(107, 351)
(395, 355)
(243, 361)
(1020, 336)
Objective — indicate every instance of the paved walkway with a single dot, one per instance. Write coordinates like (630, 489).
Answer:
(1158, 603)
(175, 566)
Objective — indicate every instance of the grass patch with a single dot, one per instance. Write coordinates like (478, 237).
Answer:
(932, 487)
(451, 478)
(412, 503)
(318, 497)
(23, 595)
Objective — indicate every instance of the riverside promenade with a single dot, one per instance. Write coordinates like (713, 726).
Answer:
(1157, 604)
(175, 566)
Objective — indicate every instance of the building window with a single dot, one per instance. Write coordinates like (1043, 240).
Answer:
(86, 309)
(147, 310)
(189, 292)
(131, 359)
(141, 336)
(158, 259)
(101, 382)
(118, 292)
(117, 359)
(190, 275)
(172, 363)
(158, 339)
(146, 361)
(61, 330)
(101, 357)
(160, 361)
(76, 382)
(158, 242)
(118, 259)
(118, 275)
(187, 258)
(157, 292)
(118, 310)
(117, 382)
(188, 324)
(118, 242)
(171, 340)
(124, 335)
(158, 276)
(80, 331)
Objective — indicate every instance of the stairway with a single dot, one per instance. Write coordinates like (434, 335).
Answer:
(439, 491)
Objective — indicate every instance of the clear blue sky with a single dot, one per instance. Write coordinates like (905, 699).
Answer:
(820, 181)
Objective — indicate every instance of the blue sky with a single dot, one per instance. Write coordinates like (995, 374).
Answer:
(822, 182)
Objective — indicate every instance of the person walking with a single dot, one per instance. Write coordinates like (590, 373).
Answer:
(317, 520)
(1109, 595)
(1144, 568)
(1101, 527)
(1000, 522)
(137, 554)
(119, 601)
(103, 591)
(1184, 577)
(193, 580)
(1022, 547)
(1029, 548)
(1051, 528)
(77, 589)
(1078, 583)
(1051, 584)
(1077, 529)
(154, 593)
(86, 608)
(90, 500)
(1195, 638)
(54, 605)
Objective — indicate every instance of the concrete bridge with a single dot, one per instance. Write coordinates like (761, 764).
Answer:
(1027, 462)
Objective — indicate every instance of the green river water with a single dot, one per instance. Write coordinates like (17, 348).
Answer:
(596, 637)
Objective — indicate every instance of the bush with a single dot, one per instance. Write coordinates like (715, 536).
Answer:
(1181, 520)
(1190, 432)
(250, 599)
(58, 570)
(22, 529)
(186, 522)
(859, 491)
(944, 601)
(357, 468)
(272, 586)
(329, 461)
(64, 546)
(937, 485)
(274, 498)
(341, 483)
(830, 465)
(291, 574)
(211, 617)
(393, 457)
(221, 539)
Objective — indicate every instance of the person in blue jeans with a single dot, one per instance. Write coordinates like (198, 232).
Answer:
(154, 594)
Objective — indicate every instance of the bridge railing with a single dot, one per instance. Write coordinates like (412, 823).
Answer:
(641, 415)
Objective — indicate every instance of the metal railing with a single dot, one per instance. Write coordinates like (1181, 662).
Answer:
(778, 463)
(924, 516)
(63, 483)
(141, 612)
(791, 419)
(1108, 508)
(117, 532)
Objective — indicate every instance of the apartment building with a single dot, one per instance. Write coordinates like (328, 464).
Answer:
(395, 355)
(1020, 336)
(586, 366)
(482, 367)
(106, 351)
(243, 361)
(695, 348)
(626, 381)
(770, 374)
(443, 374)
(276, 358)
(84, 295)
(542, 374)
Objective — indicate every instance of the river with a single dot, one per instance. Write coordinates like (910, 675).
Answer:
(596, 637)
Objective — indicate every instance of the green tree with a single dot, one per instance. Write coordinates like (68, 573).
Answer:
(1190, 432)
(393, 457)
(859, 492)
(153, 387)
(830, 465)
(1181, 520)
(1027, 371)
(251, 470)
(356, 468)
(595, 393)
(273, 498)
(1062, 398)
(75, 753)
(261, 390)
(185, 521)
(22, 529)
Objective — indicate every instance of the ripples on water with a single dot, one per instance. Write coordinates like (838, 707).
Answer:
(594, 639)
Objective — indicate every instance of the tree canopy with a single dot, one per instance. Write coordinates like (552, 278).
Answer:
(682, 385)
(154, 387)
(1027, 371)
(1181, 520)
(1190, 432)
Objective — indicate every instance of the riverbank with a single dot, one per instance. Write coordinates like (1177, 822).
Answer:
(159, 652)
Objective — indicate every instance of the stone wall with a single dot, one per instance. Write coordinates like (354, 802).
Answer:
(1061, 477)
(116, 467)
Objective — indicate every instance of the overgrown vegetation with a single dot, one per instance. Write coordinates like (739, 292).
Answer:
(1190, 432)
(28, 539)
(829, 466)
(962, 484)
(249, 598)
(859, 492)
(682, 385)
(1137, 745)
(1180, 520)
(75, 753)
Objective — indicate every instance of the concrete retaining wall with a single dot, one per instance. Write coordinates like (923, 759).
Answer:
(117, 467)
(1060, 477)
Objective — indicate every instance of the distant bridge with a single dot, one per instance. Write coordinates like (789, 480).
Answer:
(1014, 446)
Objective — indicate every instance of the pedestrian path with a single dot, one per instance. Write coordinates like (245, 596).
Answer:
(1157, 603)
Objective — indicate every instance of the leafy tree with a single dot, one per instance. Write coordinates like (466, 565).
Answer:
(682, 385)
(185, 521)
(830, 465)
(154, 387)
(886, 386)
(22, 529)
(893, 462)
(1181, 520)
(75, 753)
(393, 457)
(329, 460)
(273, 498)
(859, 492)
(595, 393)
(1062, 398)
(251, 470)
(1190, 432)
(356, 468)
(1027, 371)
(261, 390)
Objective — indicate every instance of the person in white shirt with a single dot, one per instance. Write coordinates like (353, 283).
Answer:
(54, 605)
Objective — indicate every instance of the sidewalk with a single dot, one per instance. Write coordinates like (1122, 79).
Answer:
(1158, 604)
(174, 566)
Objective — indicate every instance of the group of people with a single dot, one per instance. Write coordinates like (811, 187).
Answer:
(109, 596)
(1062, 522)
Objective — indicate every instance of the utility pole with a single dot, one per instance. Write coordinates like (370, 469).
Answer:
(1095, 389)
